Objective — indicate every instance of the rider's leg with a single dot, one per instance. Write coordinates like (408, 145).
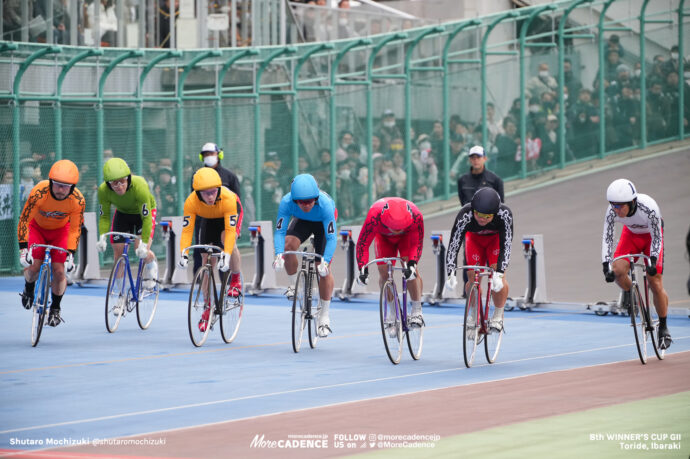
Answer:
(292, 243)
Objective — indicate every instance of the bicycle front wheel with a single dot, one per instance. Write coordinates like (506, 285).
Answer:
(415, 336)
(314, 311)
(41, 296)
(232, 301)
(299, 310)
(638, 324)
(147, 303)
(653, 329)
(391, 322)
(470, 329)
(116, 296)
(493, 338)
(199, 311)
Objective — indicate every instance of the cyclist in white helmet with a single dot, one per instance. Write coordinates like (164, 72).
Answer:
(643, 232)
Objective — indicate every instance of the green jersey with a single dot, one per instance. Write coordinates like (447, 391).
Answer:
(137, 200)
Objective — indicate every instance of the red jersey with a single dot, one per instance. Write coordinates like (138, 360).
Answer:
(413, 236)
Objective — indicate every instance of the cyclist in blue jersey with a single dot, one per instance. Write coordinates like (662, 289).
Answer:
(304, 211)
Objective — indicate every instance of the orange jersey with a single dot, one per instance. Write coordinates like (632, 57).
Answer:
(49, 213)
(225, 207)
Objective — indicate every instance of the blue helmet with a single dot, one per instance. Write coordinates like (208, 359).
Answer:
(304, 187)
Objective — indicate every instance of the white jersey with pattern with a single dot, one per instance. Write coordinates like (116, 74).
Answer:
(646, 219)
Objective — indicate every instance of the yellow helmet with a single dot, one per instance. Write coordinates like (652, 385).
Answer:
(206, 178)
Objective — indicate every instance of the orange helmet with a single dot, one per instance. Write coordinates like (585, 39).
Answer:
(64, 171)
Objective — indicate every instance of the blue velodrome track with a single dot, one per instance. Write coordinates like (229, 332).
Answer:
(81, 382)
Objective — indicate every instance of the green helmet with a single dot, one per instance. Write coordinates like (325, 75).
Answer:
(114, 169)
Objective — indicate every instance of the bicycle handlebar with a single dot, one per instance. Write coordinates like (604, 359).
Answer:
(489, 270)
(50, 247)
(208, 247)
(313, 255)
(630, 257)
(386, 260)
(118, 233)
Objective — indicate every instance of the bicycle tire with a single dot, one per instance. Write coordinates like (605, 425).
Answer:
(197, 306)
(415, 336)
(391, 323)
(493, 338)
(314, 312)
(147, 301)
(298, 311)
(638, 324)
(40, 306)
(231, 310)
(114, 298)
(653, 319)
(470, 330)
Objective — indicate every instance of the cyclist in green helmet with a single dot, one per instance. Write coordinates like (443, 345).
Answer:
(135, 213)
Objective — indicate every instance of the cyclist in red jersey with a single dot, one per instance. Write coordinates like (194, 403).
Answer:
(397, 227)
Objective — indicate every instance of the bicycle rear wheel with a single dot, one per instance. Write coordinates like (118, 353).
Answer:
(116, 296)
(231, 312)
(315, 311)
(493, 337)
(415, 336)
(199, 311)
(638, 324)
(470, 329)
(40, 306)
(653, 322)
(391, 322)
(299, 304)
(147, 303)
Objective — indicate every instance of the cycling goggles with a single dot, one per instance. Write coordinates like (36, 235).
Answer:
(305, 202)
(64, 185)
(120, 182)
(617, 205)
(482, 215)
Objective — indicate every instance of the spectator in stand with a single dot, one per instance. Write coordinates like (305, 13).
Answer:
(657, 70)
(657, 111)
(533, 149)
(549, 155)
(673, 63)
(382, 181)
(354, 152)
(493, 122)
(507, 145)
(164, 22)
(627, 118)
(346, 138)
(583, 122)
(388, 130)
(165, 192)
(636, 76)
(672, 100)
(344, 187)
(572, 83)
(107, 20)
(541, 83)
(478, 177)
(436, 138)
(614, 44)
(458, 155)
(514, 112)
(398, 175)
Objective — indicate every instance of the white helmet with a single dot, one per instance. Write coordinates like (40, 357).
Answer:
(621, 190)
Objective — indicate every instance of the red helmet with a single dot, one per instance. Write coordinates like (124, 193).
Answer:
(396, 214)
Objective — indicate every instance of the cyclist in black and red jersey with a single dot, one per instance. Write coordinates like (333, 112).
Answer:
(486, 226)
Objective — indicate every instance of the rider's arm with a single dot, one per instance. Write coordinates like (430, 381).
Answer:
(366, 236)
(231, 219)
(76, 219)
(328, 219)
(282, 223)
(607, 237)
(29, 212)
(416, 234)
(146, 203)
(188, 220)
(103, 209)
(505, 238)
(457, 235)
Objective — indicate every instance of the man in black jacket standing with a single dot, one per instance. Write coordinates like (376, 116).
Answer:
(478, 177)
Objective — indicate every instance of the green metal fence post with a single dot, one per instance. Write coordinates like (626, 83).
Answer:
(408, 106)
(138, 113)
(561, 79)
(602, 92)
(483, 55)
(58, 94)
(295, 103)
(257, 124)
(681, 77)
(16, 135)
(332, 103)
(370, 120)
(446, 100)
(100, 128)
(219, 89)
(179, 127)
(523, 125)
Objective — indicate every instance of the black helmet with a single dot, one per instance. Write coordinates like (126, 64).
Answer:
(486, 201)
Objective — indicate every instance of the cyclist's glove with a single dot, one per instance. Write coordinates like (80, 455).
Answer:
(322, 268)
(143, 250)
(451, 282)
(183, 261)
(224, 262)
(25, 258)
(69, 264)
(497, 282)
(100, 245)
(363, 278)
(410, 271)
(608, 274)
(279, 262)
(651, 267)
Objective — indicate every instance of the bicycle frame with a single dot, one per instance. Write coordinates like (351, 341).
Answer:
(482, 306)
(134, 286)
(308, 266)
(212, 278)
(41, 298)
(391, 269)
(307, 316)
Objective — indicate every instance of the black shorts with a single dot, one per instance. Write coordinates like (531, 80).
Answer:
(302, 229)
(210, 230)
(125, 223)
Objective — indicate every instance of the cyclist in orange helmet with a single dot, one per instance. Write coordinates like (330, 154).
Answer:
(53, 214)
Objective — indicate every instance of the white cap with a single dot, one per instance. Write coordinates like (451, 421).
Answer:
(210, 146)
(477, 150)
